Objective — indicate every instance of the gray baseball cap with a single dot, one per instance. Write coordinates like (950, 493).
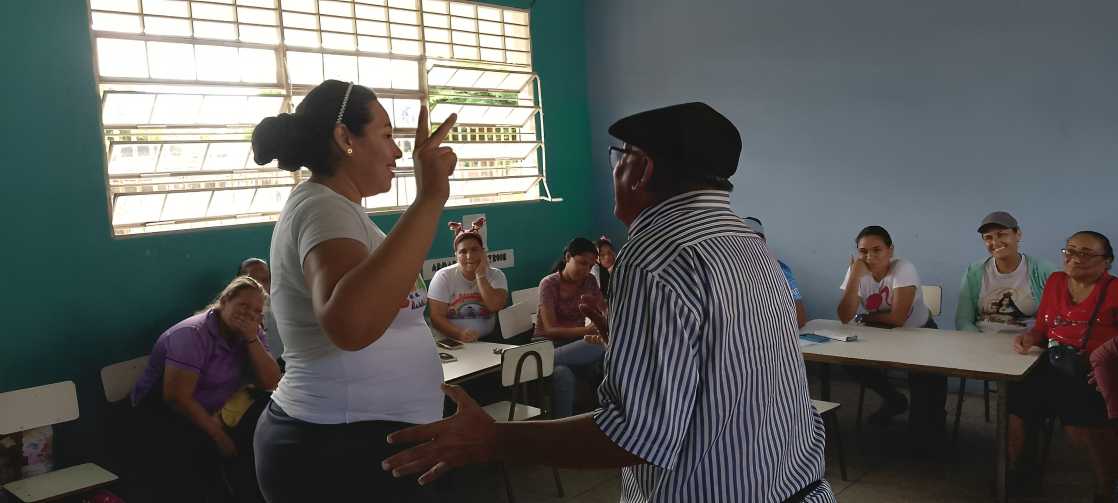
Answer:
(999, 218)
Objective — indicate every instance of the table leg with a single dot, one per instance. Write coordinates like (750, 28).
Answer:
(1000, 478)
(825, 380)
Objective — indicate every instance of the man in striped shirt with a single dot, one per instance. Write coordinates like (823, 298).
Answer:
(705, 395)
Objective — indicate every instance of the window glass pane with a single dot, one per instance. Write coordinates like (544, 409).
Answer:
(495, 55)
(372, 44)
(183, 205)
(218, 63)
(464, 38)
(405, 47)
(304, 68)
(137, 209)
(171, 61)
(222, 110)
(490, 27)
(462, 9)
(259, 107)
(181, 157)
(372, 28)
(489, 13)
(464, 77)
(133, 158)
(438, 6)
(167, 26)
(517, 58)
(375, 72)
(336, 24)
(515, 16)
(126, 109)
(465, 52)
(226, 156)
(338, 41)
(300, 38)
(490, 80)
(257, 65)
(404, 4)
(492, 41)
(403, 16)
(332, 8)
(405, 113)
(271, 4)
(405, 74)
(230, 202)
(515, 81)
(463, 24)
(214, 30)
(177, 8)
(117, 5)
(343, 68)
(438, 50)
(515, 151)
(436, 35)
(405, 31)
(259, 34)
(297, 20)
(299, 5)
(256, 16)
(373, 13)
(124, 23)
(199, 10)
(176, 109)
(270, 200)
(516, 31)
(121, 58)
(436, 21)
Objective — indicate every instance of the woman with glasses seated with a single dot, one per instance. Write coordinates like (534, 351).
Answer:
(1001, 293)
(1078, 314)
(884, 291)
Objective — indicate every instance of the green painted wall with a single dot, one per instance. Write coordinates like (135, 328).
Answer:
(75, 300)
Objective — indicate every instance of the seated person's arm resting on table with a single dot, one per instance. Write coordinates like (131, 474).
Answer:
(903, 298)
(546, 319)
(178, 393)
(445, 327)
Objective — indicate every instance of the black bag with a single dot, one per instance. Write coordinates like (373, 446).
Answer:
(1070, 360)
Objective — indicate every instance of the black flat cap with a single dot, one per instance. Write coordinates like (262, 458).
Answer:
(691, 136)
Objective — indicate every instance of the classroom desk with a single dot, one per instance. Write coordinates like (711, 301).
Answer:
(988, 356)
(474, 359)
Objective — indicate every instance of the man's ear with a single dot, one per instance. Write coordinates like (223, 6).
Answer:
(646, 177)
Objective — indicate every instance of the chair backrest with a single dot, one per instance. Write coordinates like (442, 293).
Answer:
(531, 296)
(933, 298)
(118, 379)
(29, 408)
(516, 319)
(525, 357)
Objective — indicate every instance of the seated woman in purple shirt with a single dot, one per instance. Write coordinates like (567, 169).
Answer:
(560, 320)
(195, 367)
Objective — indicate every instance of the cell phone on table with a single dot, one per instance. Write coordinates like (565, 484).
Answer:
(447, 357)
(448, 343)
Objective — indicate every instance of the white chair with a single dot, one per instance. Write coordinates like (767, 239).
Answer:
(933, 298)
(516, 319)
(827, 410)
(40, 406)
(519, 366)
(118, 379)
(531, 296)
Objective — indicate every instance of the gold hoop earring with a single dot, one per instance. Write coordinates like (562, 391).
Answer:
(349, 151)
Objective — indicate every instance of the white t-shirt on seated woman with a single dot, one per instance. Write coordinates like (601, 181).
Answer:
(396, 378)
(465, 308)
(877, 296)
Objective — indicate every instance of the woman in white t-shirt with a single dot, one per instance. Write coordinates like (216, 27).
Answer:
(360, 359)
(884, 291)
(464, 298)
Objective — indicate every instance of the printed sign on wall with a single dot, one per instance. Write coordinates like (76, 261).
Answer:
(501, 259)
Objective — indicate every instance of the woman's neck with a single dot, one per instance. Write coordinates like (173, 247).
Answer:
(1008, 264)
(563, 277)
(342, 185)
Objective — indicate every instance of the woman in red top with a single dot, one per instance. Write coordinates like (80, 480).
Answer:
(1065, 308)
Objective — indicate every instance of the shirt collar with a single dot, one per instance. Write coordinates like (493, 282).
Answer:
(695, 200)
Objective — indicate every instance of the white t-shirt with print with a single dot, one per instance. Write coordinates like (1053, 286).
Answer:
(877, 296)
(1006, 302)
(465, 308)
(396, 378)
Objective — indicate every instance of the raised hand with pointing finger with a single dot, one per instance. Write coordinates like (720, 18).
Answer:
(434, 163)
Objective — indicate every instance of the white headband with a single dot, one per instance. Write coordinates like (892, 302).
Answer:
(345, 100)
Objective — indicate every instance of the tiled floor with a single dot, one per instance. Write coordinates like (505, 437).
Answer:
(881, 464)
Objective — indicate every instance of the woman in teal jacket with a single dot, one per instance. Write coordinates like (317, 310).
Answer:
(1002, 292)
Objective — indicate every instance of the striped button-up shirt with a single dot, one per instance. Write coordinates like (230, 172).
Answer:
(704, 378)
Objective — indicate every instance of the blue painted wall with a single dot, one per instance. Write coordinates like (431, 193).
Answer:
(918, 116)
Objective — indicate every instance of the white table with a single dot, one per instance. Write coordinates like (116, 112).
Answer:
(60, 483)
(474, 359)
(988, 356)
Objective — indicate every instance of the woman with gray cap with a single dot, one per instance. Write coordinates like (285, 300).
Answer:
(1001, 292)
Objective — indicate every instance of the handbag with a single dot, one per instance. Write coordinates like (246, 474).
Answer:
(1070, 360)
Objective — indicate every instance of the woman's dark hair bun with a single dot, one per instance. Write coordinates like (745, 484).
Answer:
(279, 138)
